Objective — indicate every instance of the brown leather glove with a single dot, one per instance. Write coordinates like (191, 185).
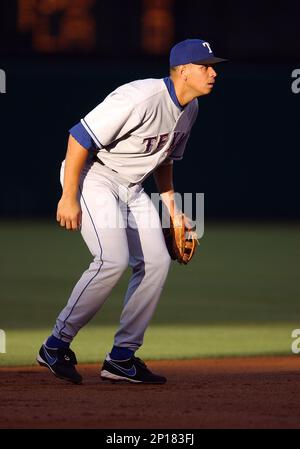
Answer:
(180, 241)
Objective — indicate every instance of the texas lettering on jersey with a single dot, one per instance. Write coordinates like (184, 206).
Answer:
(161, 141)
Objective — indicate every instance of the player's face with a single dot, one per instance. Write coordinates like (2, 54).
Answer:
(200, 78)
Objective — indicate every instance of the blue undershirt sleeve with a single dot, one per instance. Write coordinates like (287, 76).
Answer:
(82, 136)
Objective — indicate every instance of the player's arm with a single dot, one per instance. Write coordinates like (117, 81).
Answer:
(163, 176)
(68, 209)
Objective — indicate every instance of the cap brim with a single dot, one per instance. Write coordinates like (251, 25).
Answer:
(212, 60)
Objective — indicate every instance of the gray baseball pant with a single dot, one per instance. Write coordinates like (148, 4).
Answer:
(121, 227)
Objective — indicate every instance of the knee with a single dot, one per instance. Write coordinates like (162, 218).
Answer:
(122, 262)
(165, 260)
(160, 261)
(116, 263)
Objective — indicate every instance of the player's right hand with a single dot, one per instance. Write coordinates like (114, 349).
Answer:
(69, 214)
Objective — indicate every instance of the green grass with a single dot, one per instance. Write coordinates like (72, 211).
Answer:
(239, 296)
(162, 342)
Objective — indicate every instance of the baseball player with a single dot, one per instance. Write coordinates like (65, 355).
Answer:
(138, 130)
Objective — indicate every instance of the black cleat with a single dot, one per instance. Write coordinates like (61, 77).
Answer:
(61, 363)
(129, 370)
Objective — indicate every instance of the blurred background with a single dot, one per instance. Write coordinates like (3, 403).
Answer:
(59, 59)
(62, 57)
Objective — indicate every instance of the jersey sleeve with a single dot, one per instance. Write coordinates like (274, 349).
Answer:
(177, 153)
(83, 137)
(112, 119)
(167, 161)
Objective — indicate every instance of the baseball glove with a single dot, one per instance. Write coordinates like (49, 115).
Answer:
(180, 241)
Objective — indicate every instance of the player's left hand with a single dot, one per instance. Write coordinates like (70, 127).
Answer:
(188, 223)
(181, 239)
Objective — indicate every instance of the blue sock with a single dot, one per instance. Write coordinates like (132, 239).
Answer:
(55, 343)
(118, 353)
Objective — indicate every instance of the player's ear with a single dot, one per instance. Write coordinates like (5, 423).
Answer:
(183, 70)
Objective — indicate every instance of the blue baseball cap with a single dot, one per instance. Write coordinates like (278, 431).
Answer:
(195, 51)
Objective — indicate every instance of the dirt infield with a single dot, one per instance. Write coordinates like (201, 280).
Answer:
(211, 393)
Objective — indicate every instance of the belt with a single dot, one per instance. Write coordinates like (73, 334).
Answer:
(96, 159)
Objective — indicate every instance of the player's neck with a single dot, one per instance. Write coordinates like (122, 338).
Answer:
(184, 95)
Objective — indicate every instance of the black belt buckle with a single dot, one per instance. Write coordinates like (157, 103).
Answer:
(96, 159)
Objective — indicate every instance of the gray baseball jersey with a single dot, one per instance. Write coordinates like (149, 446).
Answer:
(138, 126)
